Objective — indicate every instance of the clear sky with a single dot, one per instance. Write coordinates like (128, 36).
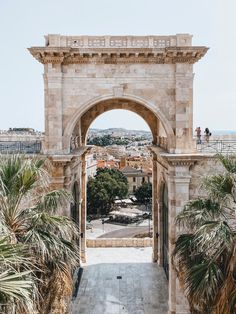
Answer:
(23, 23)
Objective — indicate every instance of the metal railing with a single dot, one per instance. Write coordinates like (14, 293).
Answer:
(217, 146)
(20, 147)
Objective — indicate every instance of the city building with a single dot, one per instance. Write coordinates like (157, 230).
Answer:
(136, 177)
(91, 165)
(113, 163)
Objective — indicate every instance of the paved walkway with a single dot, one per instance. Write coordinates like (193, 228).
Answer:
(100, 230)
(121, 281)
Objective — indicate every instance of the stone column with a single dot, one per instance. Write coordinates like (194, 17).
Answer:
(67, 186)
(57, 179)
(178, 191)
(154, 209)
(68, 176)
(57, 175)
(83, 209)
(53, 107)
(160, 221)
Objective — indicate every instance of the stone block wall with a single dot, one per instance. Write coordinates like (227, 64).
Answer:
(121, 242)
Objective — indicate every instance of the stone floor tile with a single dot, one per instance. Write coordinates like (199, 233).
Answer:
(141, 290)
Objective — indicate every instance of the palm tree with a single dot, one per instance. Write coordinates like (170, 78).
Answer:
(14, 284)
(204, 253)
(47, 241)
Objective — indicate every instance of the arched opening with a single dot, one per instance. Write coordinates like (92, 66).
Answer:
(149, 117)
(164, 245)
(75, 206)
(76, 129)
(121, 138)
(137, 168)
(157, 129)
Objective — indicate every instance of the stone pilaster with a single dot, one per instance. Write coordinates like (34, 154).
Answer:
(83, 209)
(68, 174)
(57, 176)
(154, 209)
(178, 189)
(53, 108)
(184, 108)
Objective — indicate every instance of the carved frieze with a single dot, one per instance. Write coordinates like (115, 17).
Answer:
(92, 54)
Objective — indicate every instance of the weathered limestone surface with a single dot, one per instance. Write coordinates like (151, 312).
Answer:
(142, 288)
(85, 76)
(151, 75)
(121, 242)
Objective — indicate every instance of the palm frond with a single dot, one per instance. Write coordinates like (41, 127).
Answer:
(54, 239)
(198, 211)
(228, 162)
(12, 254)
(202, 283)
(219, 186)
(32, 236)
(53, 200)
(214, 238)
(17, 288)
(204, 255)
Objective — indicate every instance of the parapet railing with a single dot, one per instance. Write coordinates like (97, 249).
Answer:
(20, 147)
(55, 40)
(217, 146)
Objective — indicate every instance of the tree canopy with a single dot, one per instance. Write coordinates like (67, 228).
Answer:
(204, 253)
(107, 140)
(38, 248)
(103, 189)
(144, 193)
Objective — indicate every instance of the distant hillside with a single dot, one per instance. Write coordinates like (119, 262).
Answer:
(123, 132)
(118, 130)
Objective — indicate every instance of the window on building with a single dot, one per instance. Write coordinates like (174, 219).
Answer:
(143, 179)
(134, 188)
(134, 179)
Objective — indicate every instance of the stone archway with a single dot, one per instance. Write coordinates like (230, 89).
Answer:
(81, 127)
(150, 75)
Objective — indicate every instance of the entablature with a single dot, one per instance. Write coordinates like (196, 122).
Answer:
(167, 55)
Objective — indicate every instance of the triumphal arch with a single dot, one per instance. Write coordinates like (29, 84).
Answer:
(85, 76)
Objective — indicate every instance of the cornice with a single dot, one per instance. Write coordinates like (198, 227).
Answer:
(167, 55)
(181, 163)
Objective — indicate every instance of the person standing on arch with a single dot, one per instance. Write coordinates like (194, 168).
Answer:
(198, 131)
(207, 134)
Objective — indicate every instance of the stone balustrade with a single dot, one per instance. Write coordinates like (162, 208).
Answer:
(217, 146)
(119, 242)
(54, 40)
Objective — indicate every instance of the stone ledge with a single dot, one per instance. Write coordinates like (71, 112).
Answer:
(119, 242)
(168, 55)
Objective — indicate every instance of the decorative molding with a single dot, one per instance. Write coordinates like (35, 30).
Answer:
(181, 163)
(59, 163)
(168, 55)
